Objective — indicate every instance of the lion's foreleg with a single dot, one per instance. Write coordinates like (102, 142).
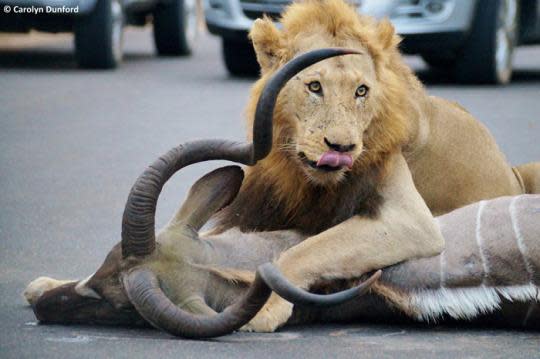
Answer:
(404, 229)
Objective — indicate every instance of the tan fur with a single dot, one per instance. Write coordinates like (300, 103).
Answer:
(449, 155)
(381, 122)
(403, 112)
(395, 298)
(530, 175)
(404, 229)
(233, 275)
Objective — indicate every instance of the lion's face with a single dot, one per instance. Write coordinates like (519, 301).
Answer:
(342, 111)
(329, 106)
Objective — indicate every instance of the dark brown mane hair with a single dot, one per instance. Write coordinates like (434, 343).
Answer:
(258, 206)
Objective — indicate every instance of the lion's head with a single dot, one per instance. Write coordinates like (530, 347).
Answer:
(342, 113)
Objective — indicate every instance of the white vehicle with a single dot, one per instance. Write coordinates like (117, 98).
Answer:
(98, 24)
(473, 38)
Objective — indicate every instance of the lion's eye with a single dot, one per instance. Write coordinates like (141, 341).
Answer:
(361, 91)
(315, 87)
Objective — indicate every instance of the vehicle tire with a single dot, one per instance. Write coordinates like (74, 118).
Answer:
(487, 54)
(175, 27)
(439, 62)
(240, 59)
(99, 36)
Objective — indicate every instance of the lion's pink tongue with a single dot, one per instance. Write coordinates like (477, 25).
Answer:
(335, 159)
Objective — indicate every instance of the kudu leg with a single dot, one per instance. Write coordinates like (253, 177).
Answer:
(196, 305)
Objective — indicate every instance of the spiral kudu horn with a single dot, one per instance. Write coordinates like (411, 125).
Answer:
(271, 275)
(138, 236)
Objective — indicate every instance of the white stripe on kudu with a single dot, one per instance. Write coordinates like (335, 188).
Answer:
(519, 236)
(469, 302)
(442, 262)
(479, 240)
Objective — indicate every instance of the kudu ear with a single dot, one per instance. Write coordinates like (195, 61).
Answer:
(208, 195)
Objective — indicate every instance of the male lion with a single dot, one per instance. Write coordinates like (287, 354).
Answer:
(362, 157)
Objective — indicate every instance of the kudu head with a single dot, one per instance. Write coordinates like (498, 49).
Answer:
(138, 282)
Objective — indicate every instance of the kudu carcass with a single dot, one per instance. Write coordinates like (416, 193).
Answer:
(488, 273)
(139, 277)
(180, 283)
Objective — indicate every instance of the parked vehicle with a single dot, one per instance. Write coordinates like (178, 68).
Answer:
(474, 39)
(98, 24)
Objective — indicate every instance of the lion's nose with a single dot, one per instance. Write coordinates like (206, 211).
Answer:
(339, 147)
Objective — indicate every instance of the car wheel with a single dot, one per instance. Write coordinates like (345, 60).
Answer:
(175, 27)
(438, 61)
(99, 36)
(487, 54)
(240, 59)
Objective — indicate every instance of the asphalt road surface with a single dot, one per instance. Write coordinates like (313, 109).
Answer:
(72, 142)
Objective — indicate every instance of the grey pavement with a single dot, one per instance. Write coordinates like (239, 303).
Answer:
(73, 141)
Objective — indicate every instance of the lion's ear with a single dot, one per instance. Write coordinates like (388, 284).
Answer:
(267, 42)
(386, 34)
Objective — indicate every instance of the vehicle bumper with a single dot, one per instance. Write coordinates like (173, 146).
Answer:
(226, 18)
(418, 26)
(454, 16)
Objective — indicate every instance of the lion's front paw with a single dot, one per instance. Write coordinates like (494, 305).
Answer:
(273, 315)
(38, 286)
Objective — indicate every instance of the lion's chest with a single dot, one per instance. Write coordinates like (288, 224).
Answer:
(257, 209)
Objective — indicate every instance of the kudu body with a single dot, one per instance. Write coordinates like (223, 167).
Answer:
(489, 270)
(203, 286)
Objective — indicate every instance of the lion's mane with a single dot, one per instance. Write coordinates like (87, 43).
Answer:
(276, 194)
